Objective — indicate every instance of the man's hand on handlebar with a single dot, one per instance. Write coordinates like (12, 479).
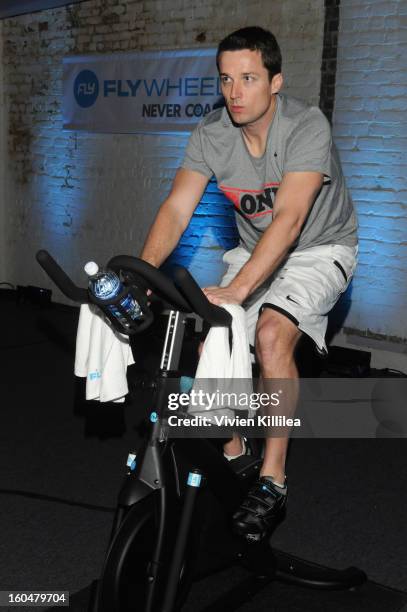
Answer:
(224, 295)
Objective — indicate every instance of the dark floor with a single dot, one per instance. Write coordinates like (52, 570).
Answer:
(347, 503)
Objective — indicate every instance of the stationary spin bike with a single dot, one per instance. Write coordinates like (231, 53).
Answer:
(172, 524)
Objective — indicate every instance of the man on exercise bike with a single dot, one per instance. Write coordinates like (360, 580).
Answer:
(274, 159)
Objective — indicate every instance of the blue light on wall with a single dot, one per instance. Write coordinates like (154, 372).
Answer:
(211, 231)
(370, 131)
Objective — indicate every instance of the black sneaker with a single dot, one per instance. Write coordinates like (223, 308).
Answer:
(261, 511)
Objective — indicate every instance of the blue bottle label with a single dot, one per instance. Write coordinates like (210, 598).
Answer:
(194, 480)
(131, 461)
(107, 286)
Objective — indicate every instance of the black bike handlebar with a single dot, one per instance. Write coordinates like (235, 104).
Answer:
(184, 295)
(61, 279)
(154, 278)
(215, 315)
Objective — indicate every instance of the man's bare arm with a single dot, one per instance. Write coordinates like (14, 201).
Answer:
(174, 215)
(294, 199)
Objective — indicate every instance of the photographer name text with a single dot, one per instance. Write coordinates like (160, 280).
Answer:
(224, 421)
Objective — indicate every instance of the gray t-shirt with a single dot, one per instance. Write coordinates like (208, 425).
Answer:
(299, 140)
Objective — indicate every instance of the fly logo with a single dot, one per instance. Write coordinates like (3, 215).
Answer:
(94, 375)
(86, 88)
(252, 202)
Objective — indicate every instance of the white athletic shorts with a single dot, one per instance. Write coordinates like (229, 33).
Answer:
(304, 288)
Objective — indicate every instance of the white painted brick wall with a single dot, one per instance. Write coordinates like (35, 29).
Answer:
(371, 134)
(91, 196)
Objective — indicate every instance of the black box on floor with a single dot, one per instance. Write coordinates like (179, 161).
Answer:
(33, 295)
(346, 363)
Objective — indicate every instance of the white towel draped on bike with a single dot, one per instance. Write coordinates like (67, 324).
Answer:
(224, 371)
(102, 356)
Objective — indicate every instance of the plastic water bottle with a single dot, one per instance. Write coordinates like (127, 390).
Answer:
(106, 285)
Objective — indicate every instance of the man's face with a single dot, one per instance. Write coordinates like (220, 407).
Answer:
(245, 85)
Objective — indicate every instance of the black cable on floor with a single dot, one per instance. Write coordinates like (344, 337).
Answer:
(13, 346)
(58, 500)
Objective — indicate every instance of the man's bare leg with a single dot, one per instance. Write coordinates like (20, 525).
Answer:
(234, 446)
(276, 340)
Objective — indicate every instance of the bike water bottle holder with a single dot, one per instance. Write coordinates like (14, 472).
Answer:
(133, 326)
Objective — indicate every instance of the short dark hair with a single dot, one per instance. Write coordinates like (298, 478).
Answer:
(254, 38)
